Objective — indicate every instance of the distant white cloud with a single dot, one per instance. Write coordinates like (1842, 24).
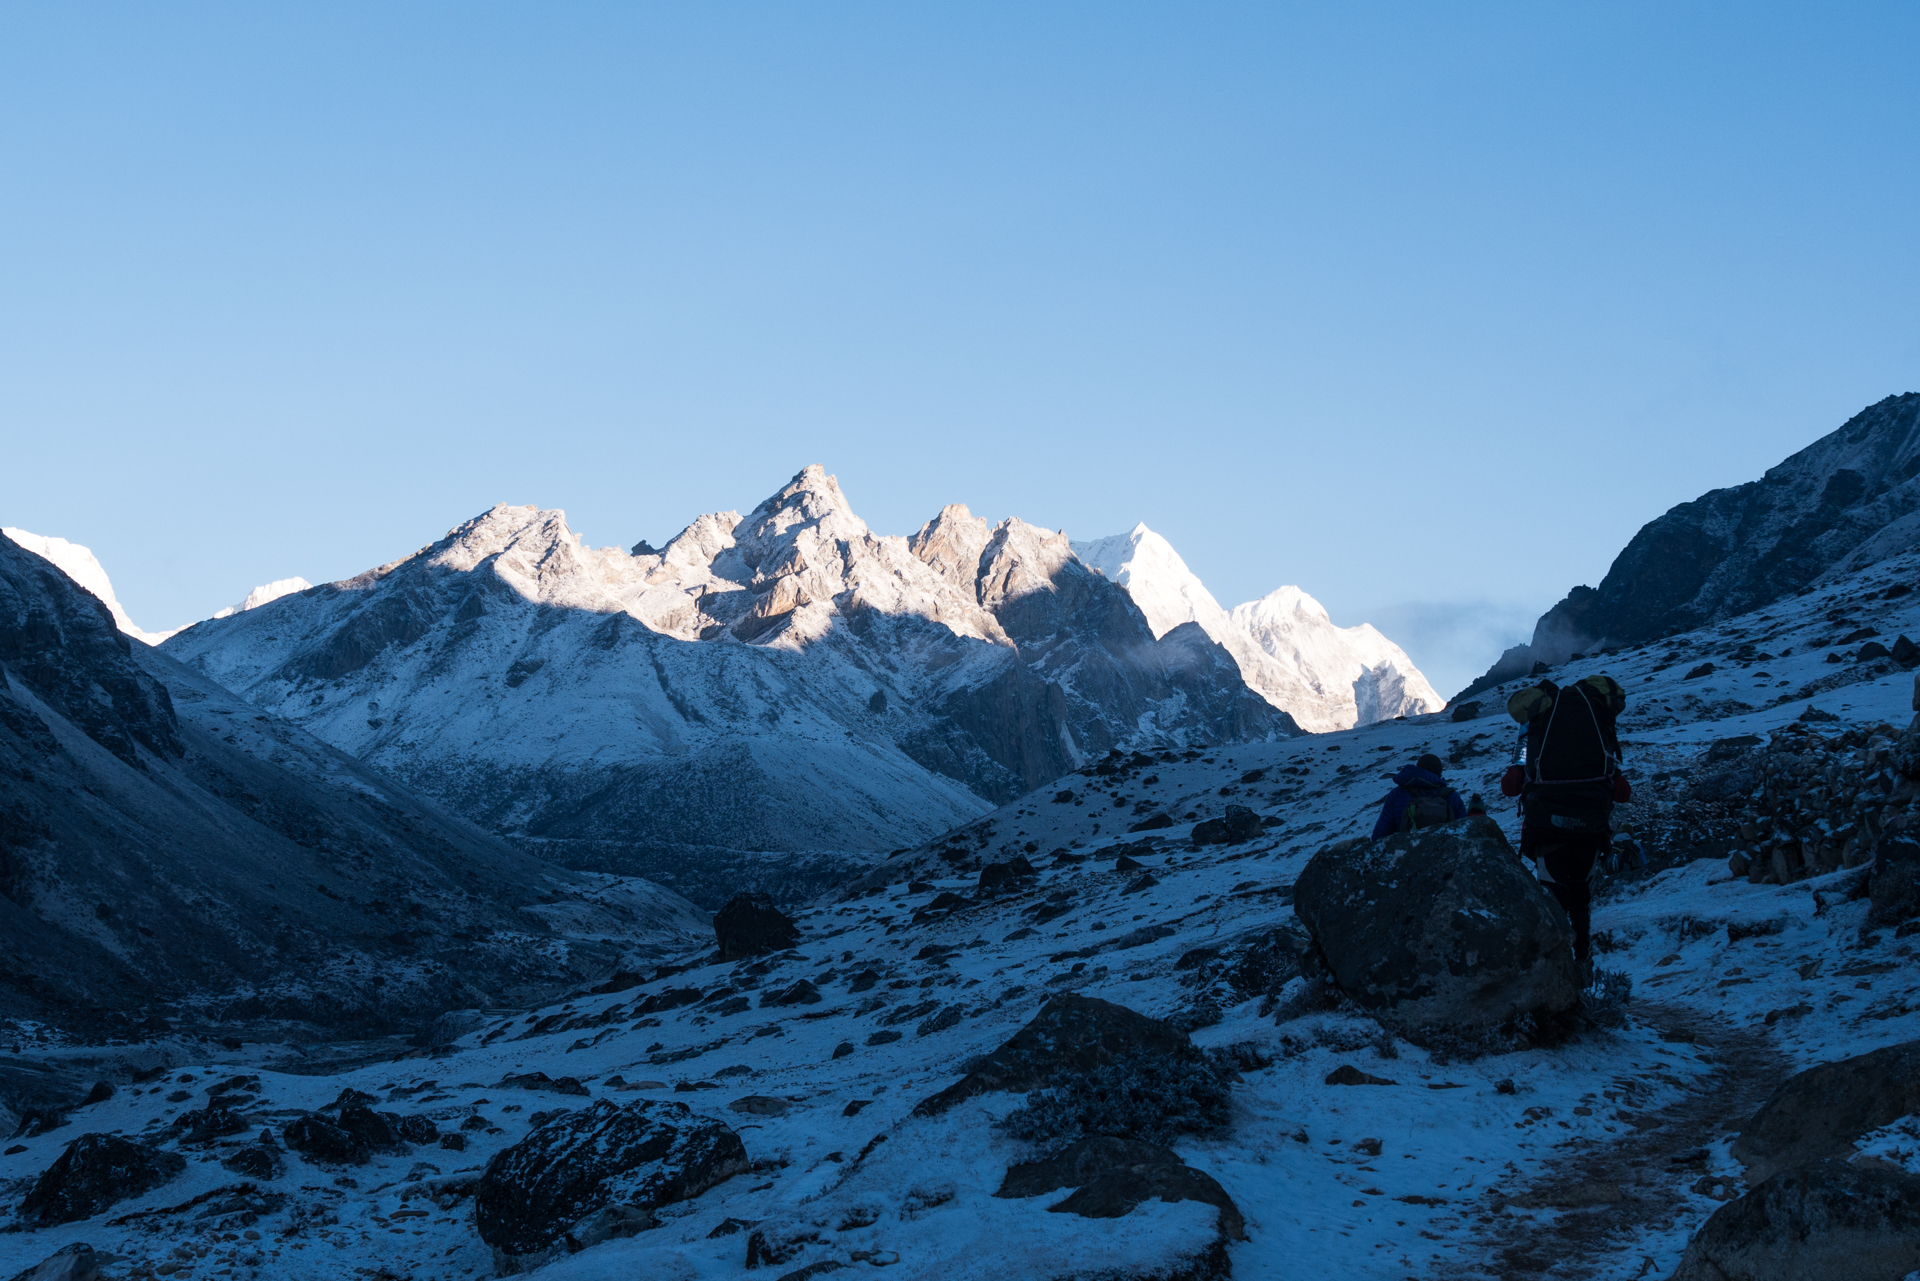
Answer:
(1454, 641)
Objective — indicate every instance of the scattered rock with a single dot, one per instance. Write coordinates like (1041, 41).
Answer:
(1825, 1221)
(802, 992)
(1071, 1033)
(536, 1194)
(1872, 650)
(204, 1125)
(883, 1037)
(1905, 652)
(995, 877)
(1347, 1074)
(1240, 824)
(843, 1049)
(1818, 1113)
(1705, 669)
(1439, 930)
(543, 1083)
(1153, 823)
(750, 925)
(92, 1173)
(1128, 863)
(1465, 711)
(760, 1105)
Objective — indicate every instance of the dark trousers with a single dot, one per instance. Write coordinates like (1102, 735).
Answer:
(1570, 866)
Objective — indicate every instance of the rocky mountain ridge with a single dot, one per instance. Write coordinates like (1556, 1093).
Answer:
(1288, 649)
(770, 701)
(1844, 502)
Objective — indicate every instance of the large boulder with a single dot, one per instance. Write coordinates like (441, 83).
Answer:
(76, 1262)
(598, 1173)
(94, 1172)
(1827, 1221)
(1440, 930)
(1239, 824)
(1070, 1034)
(750, 925)
(1820, 1112)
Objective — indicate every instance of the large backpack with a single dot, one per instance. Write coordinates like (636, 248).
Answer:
(1573, 753)
(1428, 808)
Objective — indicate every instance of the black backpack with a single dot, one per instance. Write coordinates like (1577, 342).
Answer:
(1428, 809)
(1573, 753)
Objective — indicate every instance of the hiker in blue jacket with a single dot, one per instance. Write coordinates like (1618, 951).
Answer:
(1420, 798)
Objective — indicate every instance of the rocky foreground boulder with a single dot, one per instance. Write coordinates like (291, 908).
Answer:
(1440, 930)
(1071, 1034)
(750, 925)
(1113, 1175)
(598, 1173)
(1825, 1221)
(1819, 1113)
(94, 1172)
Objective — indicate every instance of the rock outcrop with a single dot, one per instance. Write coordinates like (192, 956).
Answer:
(598, 1173)
(94, 1172)
(1440, 930)
(750, 925)
(1070, 1034)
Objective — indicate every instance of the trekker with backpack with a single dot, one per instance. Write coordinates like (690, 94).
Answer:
(1420, 798)
(1568, 779)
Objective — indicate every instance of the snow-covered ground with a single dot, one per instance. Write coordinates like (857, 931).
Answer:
(1468, 1153)
(1288, 648)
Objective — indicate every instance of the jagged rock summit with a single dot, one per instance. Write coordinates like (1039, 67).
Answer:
(1849, 500)
(766, 703)
(1288, 648)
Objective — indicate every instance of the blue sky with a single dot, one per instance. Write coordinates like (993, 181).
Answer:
(1424, 308)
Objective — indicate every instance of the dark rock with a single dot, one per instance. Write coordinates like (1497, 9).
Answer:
(544, 1084)
(76, 1262)
(372, 1131)
(1705, 669)
(1141, 884)
(1240, 824)
(1071, 1033)
(1114, 1192)
(812, 1270)
(254, 1161)
(1465, 711)
(995, 877)
(730, 1227)
(453, 1141)
(1348, 1074)
(536, 1193)
(801, 992)
(760, 1105)
(1872, 650)
(843, 1049)
(1443, 929)
(419, 1128)
(1859, 634)
(100, 1093)
(863, 980)
(1079, 1162)
(351, 1098)
(919, 887)
(1905, 652)
(620, 982)
(1127, 863)
(1893, 883)
(318, 1139)
(1818, 1113)
(750, 925)
(884, 1037)
(92, 1173)
(1825, 1221)
(207, 1124)
(671, 998)
(1265, 965)
(1153, 823)
(948, 1016)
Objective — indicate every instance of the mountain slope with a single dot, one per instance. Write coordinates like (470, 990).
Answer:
(768, 701)
(1849, 499)
(1286, 646)
(83, 567)
(162, 841)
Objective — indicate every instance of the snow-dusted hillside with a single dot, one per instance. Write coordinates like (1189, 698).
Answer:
(773, 701)
(1599, 1156)
(1289, 650)
(83, 567)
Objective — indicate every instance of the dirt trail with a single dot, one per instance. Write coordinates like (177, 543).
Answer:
(1585, 1219)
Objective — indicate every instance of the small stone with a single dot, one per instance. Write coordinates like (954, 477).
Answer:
(1347, 1074)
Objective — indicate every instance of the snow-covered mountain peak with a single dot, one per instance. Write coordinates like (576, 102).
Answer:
(266, 594)
(1284, 609)
(951, 544)
(1166, 591)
